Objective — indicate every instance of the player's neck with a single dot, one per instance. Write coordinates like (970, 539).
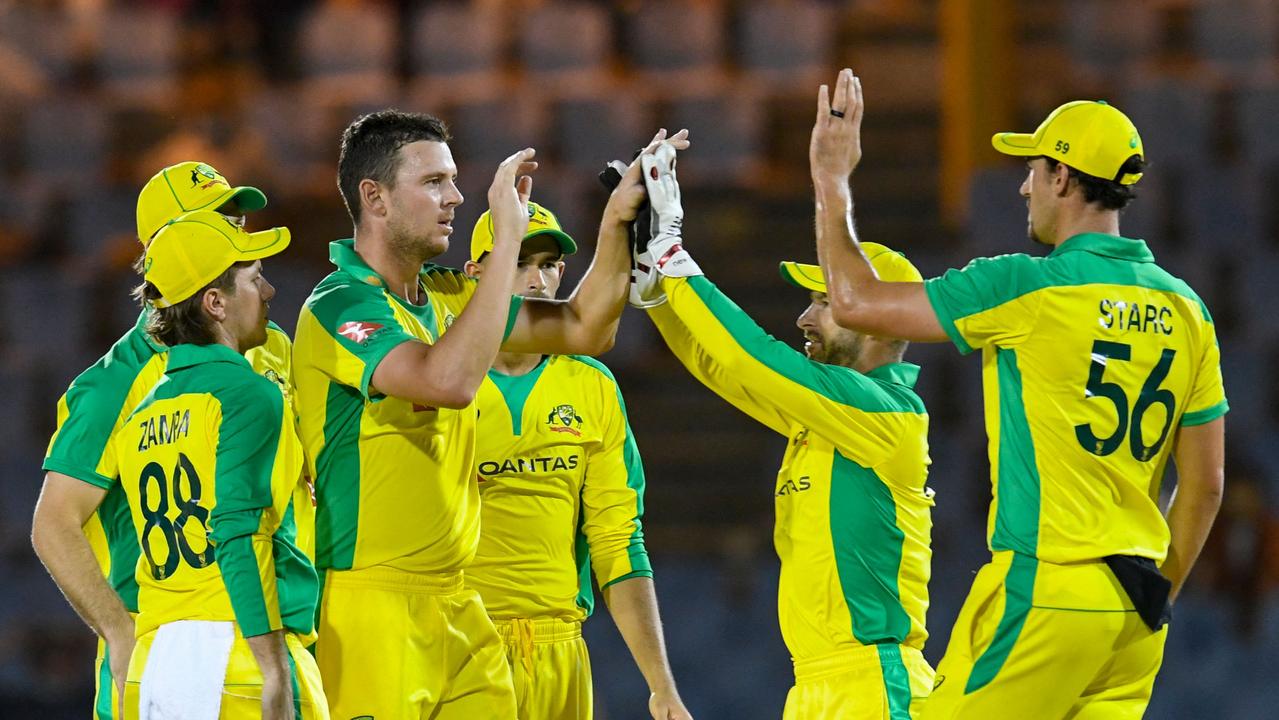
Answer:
(516, 364)
(398, 270)
(1085, 219)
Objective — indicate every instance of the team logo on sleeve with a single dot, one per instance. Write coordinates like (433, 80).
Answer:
(564, 419)
(358, 332)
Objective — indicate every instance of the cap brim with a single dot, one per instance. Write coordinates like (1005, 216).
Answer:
(264, 244)
(1016, 144)
(567, 245)
(248, 199)
(808, 277)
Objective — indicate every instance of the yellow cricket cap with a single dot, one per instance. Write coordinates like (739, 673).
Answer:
(187, 187)
(540, 222)
(192, 250)
(890, 266)
(1089, 135)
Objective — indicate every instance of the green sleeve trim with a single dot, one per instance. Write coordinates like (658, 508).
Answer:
(512, 314)
(1205, 416)
(839, 384)
(944, 317)
(648, 573)
(78, 472)
(240, 574)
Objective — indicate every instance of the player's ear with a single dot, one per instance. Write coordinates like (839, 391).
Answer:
(213, 301)
(372, 200)
(473, 269)
(1061, 179)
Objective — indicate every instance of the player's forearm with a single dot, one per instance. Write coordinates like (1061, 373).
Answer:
(633, 605)
(598, 300)
(59, 542)
(1199, 455)
(850, 279)
(450, 371)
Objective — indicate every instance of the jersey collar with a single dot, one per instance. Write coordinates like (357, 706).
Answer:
(342, 253)
(1109, 245)
(189, 355)
(900, 373)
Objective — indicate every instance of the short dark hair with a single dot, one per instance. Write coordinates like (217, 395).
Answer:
(1110, 194)
(185, 323)
(371, 149)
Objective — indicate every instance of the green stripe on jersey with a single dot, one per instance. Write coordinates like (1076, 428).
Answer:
(338, 485)
(1017, 514)
(896, 681)
(103, 708)
(1019, 589)
(868, 552)
(122, 545)
(839, 384)
(515, 390)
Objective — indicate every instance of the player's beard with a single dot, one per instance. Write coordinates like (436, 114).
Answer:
(413, 246)
(843, 350)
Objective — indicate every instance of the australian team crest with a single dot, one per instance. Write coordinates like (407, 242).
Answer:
(204, 176)
(564, 419)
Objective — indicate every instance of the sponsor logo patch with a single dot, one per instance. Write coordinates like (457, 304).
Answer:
(359, 332)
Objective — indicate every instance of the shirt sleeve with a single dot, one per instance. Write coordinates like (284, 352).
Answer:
(359, 329)
(840, 404)
(92, 408)
(249, 433)
(453, 290)
(1207, 400)
(613, 496)
(989, 302)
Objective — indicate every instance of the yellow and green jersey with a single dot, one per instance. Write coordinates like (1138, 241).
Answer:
(395, 481)
(210, 462)
(96, 405)
(1091, 358)
(854, 515)
(561, 490)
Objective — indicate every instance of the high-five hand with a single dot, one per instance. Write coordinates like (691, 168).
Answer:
(629, 194)
(835, 148)
(508, 196)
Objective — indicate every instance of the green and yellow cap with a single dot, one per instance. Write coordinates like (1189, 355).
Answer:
(540, 222)
(187, 187)
(1089, 135)
(890, 265)
(192, 250)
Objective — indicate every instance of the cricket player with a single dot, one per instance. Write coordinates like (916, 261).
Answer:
(81, 529)
(389, 355)
(853, 511)
(562, 492)
(1098, 368)
(210, 462)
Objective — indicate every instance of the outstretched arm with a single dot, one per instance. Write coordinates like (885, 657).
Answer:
(586, 323)
(859, 300)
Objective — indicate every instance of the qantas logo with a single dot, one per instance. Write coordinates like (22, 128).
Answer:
(358, 332)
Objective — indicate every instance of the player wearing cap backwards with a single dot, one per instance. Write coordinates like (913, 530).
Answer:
(561, 491)
(1098, 367)
(81, 530)
(210, 461)
(853, 512)
(388, 363)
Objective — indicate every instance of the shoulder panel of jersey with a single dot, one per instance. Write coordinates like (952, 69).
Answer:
(97, 401)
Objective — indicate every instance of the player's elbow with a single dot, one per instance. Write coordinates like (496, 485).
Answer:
(453, 396)
(848, 313)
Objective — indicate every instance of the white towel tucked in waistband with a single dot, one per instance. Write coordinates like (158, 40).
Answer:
(185, 671)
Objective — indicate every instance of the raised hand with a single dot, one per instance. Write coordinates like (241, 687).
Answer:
(508, 196)
(835, 148)
(625, 201)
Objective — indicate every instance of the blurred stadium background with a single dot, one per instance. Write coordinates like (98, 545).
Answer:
(96, 95)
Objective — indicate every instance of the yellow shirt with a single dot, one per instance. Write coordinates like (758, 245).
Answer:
(854, 516)
(96, 405)
(210, 462)
(395, 482)
(562, 490)
(1092, 357)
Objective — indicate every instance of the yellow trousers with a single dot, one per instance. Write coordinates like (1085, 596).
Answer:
(874, 682)
(550, 668)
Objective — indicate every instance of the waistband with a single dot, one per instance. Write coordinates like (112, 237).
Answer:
(540, 630)
(849, 659)
(385, 578)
